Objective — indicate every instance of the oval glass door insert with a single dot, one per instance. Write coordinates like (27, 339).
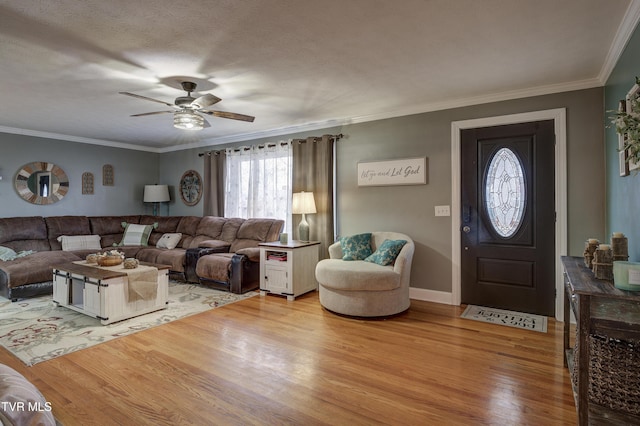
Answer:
(505, 192)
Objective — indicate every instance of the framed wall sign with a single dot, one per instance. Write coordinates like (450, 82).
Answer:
(632, 101)
(407, 171)
(191, 187)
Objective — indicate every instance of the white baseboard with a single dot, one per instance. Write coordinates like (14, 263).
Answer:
(431, 295)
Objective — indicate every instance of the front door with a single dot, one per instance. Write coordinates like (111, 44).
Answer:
(508, 217)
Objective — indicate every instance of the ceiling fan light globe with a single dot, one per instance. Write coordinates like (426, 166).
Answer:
(187, 120)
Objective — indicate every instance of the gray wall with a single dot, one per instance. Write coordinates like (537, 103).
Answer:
(132, 170)
(408, 209)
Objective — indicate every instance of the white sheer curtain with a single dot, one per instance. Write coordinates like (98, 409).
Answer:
(258, 182)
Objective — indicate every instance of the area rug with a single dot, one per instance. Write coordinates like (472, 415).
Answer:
(508, 318)
(36, 330)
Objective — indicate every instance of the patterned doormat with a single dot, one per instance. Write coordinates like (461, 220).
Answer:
(508, 318)
(36, 330)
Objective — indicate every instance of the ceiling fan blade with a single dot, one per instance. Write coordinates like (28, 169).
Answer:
(151, 113)
(145, 98)
(231, 115)
(205, 101)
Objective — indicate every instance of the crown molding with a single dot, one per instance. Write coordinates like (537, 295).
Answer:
(79, 139)
(625, 30)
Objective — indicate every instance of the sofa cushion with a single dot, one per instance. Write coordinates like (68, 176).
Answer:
(356, 275)
(252, 232)
(80, 242)
(34, 409)
(215, 267)
(387, 252)
(65, 225)
(174, 257)
(169, 240)
(230, 229)
(24, 233)
(210, 227)
(110, 227)
(356, 247)
(35, 268)
(187, 227)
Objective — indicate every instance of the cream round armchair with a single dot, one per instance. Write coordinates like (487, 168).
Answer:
(365, 289)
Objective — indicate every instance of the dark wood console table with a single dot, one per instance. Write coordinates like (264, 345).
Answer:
(600, 309)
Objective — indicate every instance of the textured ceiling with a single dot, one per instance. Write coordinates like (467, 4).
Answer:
(294, 65)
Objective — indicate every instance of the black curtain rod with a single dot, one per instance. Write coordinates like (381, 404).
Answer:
(246, 148)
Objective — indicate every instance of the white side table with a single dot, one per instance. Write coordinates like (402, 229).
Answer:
(288, 269)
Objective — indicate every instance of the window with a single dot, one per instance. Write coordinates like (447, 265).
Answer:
(258, 182)
(505, 192)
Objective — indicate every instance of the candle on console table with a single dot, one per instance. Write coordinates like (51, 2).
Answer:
(604, 247)
(618, 235)
(593, 241)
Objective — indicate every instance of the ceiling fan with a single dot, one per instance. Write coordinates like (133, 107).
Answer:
(187, 109)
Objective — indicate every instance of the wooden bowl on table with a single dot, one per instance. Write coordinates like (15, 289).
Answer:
(109, 260)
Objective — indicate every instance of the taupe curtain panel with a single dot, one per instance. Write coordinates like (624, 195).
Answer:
(214, 169)
(313, 172)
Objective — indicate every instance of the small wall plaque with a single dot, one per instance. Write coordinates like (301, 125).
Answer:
(87, 183)
(107, 175)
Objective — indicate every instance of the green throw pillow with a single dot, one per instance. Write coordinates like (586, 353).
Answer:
(7, 254)
(136, 235)
(356, 247)
(387, 252)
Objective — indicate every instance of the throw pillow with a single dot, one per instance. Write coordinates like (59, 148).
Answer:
(169, 241)
(7, 254)
(356, 247)
(80, 242)
(136, 235)
(387, 252)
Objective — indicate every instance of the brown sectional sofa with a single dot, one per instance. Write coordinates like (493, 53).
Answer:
(221, 252)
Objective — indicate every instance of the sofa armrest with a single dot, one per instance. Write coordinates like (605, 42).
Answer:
(253, 253)
(244, 275)
(335, 251)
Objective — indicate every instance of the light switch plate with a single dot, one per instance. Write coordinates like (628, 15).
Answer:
(443, 211)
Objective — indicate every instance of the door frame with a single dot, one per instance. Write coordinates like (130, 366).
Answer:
(559, 117)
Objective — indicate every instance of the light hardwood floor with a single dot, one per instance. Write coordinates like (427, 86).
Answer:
(267, 361)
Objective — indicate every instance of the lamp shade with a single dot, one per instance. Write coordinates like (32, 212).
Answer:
(156, 193)
(303, 203)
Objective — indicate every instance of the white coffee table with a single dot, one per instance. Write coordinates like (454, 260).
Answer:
(103, 293)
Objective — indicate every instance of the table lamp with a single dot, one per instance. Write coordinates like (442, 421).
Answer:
(156, 194)
(303, 204)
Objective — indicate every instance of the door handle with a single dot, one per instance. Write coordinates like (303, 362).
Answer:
(466, 229)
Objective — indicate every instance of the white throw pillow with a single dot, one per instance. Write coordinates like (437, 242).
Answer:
(80, 242)
(169, 241)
